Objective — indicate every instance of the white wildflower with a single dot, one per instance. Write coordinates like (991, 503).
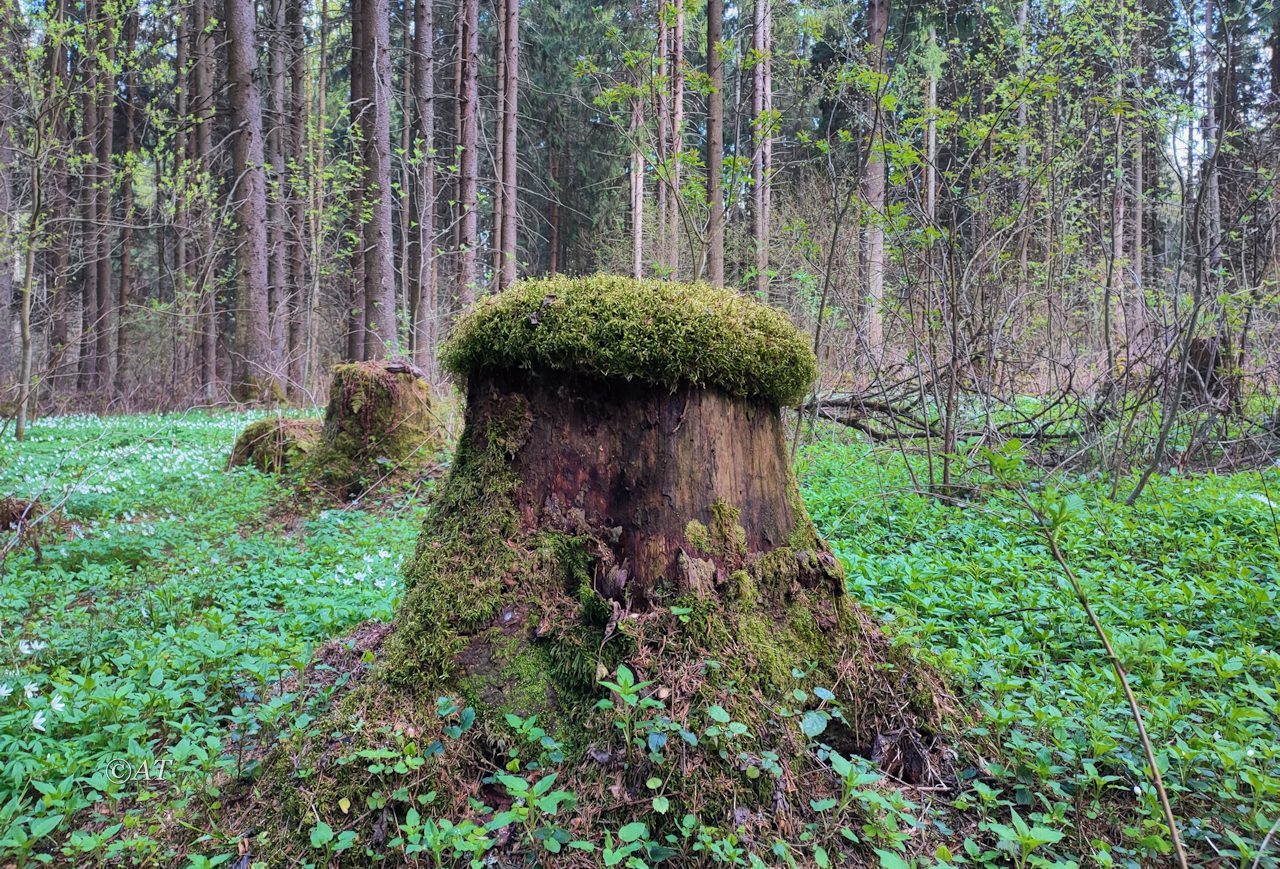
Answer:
(30, 690)
(1137, 791)
(37, 721)
(6, 691)
(382, 553)
(57, 704)
(30, 647)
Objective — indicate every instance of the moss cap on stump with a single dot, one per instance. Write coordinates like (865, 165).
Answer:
(656, 331)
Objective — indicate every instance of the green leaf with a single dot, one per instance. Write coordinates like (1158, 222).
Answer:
(42, 827)
(813, 723)
(891, 860)
(633, 831)
(321, 835)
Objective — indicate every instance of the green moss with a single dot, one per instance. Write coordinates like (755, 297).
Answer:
(454, 583)
(742, 588)
(655, 331)
(725, 539)
(698, 535)
(727, 533)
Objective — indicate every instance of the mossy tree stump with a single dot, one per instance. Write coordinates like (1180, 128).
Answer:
(378, 422)
(621, 496)
(623, 458)
(275, 445)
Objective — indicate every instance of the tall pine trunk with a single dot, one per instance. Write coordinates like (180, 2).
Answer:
(676, 206)
(104, 307)
(762, 150)
(715, 144)
(356, 106)
(204, 288)
(381, 339)
(125, 286)
(874, 180)
(637, 192)
(422, 250)
(510, 129)
(255, 375)
(296, 291)
(468, 141)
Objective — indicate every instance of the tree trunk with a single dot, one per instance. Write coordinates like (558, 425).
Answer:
(715, 144)
(1024, 173)
(254, 359)
(637, 193)
(356, 108)
(205, 290)
(499, 151)
(125, 287)
(104, 308)
(295, 292)
(874, 181)
(58, 254)
(676, 66)
(86, 364)
(762, 150)
(468, 141)
(423, 296)
(510, 129)
(277, 215)
(35, 229)
(185, 363)
(381, 338)
(662, 102)
(9, 230)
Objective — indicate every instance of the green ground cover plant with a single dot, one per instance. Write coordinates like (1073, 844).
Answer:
(157, 630)
(166, 629)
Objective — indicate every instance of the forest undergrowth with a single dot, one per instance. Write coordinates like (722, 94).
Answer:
(161, 645)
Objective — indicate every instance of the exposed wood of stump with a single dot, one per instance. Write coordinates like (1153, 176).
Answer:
(637, 464)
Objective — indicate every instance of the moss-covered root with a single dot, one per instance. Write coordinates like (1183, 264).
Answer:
(378, 423)
(275, 445)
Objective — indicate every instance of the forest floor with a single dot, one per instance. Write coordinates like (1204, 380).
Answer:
(141, 661)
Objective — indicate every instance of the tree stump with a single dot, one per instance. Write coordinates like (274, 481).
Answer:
(378, 423)
(275, 445)
(621, 505)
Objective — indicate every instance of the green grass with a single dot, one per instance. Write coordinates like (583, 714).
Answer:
(159, 625)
